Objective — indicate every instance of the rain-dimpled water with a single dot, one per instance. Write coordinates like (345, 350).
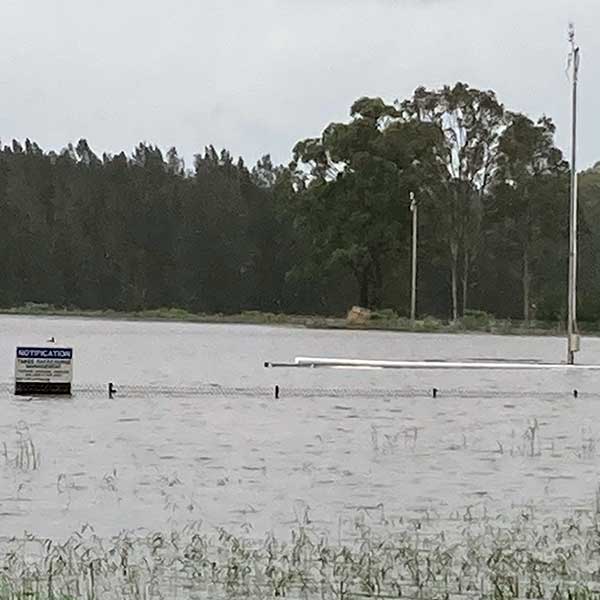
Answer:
(336, 448)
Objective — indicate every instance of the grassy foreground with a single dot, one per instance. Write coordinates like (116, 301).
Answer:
(386, 320)
(464, 559)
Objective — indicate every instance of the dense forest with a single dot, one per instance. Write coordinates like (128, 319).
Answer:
(328, 230)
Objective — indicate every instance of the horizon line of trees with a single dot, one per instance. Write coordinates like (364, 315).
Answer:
(329, 230)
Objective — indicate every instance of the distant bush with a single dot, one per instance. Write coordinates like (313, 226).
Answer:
(166, 313)
(38, 306)
(257, 316)
(403, 323)
(429, 323)
(384, 314)
(478, 320)
(254, 315)
(503, 326)
(545, 325)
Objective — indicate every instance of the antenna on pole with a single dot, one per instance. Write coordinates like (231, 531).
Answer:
(573, 337)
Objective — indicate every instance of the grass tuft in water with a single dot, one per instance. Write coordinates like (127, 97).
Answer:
(463, 557)
(25, 456)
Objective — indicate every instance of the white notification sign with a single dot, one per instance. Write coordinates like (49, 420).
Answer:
(44, 365)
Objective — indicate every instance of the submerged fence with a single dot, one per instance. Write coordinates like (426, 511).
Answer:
(117, 391)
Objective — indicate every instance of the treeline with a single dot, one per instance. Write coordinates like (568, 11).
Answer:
(331, 229)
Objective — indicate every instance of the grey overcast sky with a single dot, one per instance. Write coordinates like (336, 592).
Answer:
(255, 76)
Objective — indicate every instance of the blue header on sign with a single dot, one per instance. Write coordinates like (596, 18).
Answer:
(45, 353)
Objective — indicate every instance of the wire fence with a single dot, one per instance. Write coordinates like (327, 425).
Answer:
(280, 392)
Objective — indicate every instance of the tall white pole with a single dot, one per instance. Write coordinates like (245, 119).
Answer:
(573, 338)
(413, 290)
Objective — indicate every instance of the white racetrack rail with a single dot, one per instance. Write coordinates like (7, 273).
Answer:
(358, 363)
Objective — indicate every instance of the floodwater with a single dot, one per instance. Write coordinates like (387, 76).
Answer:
(254, 464)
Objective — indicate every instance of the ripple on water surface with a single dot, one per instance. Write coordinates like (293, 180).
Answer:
(145, 461)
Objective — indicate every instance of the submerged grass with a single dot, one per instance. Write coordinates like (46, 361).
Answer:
(25, 456)
(414, 559)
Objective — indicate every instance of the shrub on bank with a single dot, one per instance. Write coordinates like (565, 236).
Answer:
(428, 324)
(478, 320)
(384, 314)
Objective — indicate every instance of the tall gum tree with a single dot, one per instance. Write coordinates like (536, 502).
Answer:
(471, 121)
(355, 183)
(529, 195)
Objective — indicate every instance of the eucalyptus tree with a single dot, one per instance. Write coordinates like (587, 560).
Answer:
(353, 187)
(529, 198)
(471, 121)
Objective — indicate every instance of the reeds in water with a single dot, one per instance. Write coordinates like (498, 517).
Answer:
(26, 457)
(416, 560)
